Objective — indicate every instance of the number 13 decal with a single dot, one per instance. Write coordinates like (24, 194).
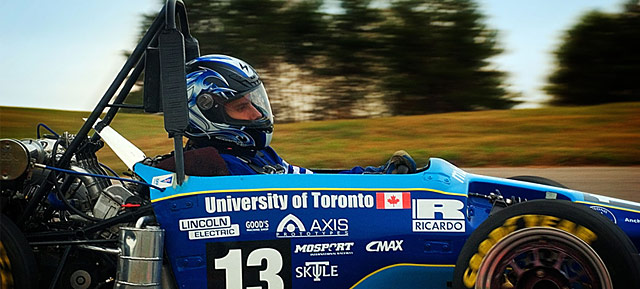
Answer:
(249, 265)
(231, 263)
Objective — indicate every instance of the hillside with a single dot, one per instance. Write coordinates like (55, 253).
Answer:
(558, 136)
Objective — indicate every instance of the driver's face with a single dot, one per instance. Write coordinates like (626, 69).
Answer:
(242, 109)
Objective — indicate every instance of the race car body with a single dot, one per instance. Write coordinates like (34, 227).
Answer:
(339, 231)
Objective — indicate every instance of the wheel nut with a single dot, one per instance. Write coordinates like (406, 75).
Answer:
(540, 273)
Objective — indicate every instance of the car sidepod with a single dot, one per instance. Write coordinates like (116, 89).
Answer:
(313, 231)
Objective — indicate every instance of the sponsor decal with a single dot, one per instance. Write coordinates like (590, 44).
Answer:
(211, 227)
(332, 201)
(256, 226)
(204, 223)
(292, 227)
(630, 220)
(163, 181)
(604, 211)
(325, 249)
(431, 215)
(274, 201)
(253, 203)
(232, 231)
(393, 200)
(384, 246)
(317, 270)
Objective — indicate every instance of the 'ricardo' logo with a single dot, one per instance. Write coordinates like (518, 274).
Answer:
(437, 215)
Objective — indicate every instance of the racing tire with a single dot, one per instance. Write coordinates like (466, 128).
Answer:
(547, 244)
(17, 263)
(539, 180)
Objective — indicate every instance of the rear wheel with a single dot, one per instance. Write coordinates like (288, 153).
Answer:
(547, 244)
(17, 263)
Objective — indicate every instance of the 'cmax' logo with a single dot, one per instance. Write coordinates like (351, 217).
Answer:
(292, 227)
(384, 246)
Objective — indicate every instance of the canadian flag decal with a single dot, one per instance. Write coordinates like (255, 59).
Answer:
(393, 200)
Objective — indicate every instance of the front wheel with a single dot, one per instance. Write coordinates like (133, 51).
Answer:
(539, 180)
(547, 244)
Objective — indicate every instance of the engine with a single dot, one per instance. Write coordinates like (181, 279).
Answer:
(77, 196)
(88, 196)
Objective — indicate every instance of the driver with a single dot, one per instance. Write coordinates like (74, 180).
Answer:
(229, 110)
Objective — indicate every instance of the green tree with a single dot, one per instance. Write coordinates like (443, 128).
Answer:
(265, 33)
(349, 61)
(598, 62)
(438, 59)
(248, 29)
(409, 57)
(305, 31)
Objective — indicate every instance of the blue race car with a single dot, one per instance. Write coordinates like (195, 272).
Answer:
(67, 223)
(438, 228)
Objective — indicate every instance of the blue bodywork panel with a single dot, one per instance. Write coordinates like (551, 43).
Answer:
(336, 230)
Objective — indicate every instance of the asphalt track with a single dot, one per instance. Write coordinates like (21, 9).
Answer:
(617, 182)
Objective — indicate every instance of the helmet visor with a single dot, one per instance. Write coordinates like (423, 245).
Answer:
(251, 110)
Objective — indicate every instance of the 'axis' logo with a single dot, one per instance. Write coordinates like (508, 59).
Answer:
(292, 227)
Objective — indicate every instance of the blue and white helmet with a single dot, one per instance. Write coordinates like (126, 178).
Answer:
(215, 81)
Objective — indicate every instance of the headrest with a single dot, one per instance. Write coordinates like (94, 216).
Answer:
(205, 161)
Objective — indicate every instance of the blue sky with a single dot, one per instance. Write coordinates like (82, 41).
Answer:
(64, 54)
(529, 32)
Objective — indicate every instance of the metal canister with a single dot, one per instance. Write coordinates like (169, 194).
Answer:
(140, 259)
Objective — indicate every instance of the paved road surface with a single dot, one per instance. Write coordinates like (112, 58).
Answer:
(617, 182)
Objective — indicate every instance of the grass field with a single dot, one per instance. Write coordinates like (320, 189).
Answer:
(557, 136)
